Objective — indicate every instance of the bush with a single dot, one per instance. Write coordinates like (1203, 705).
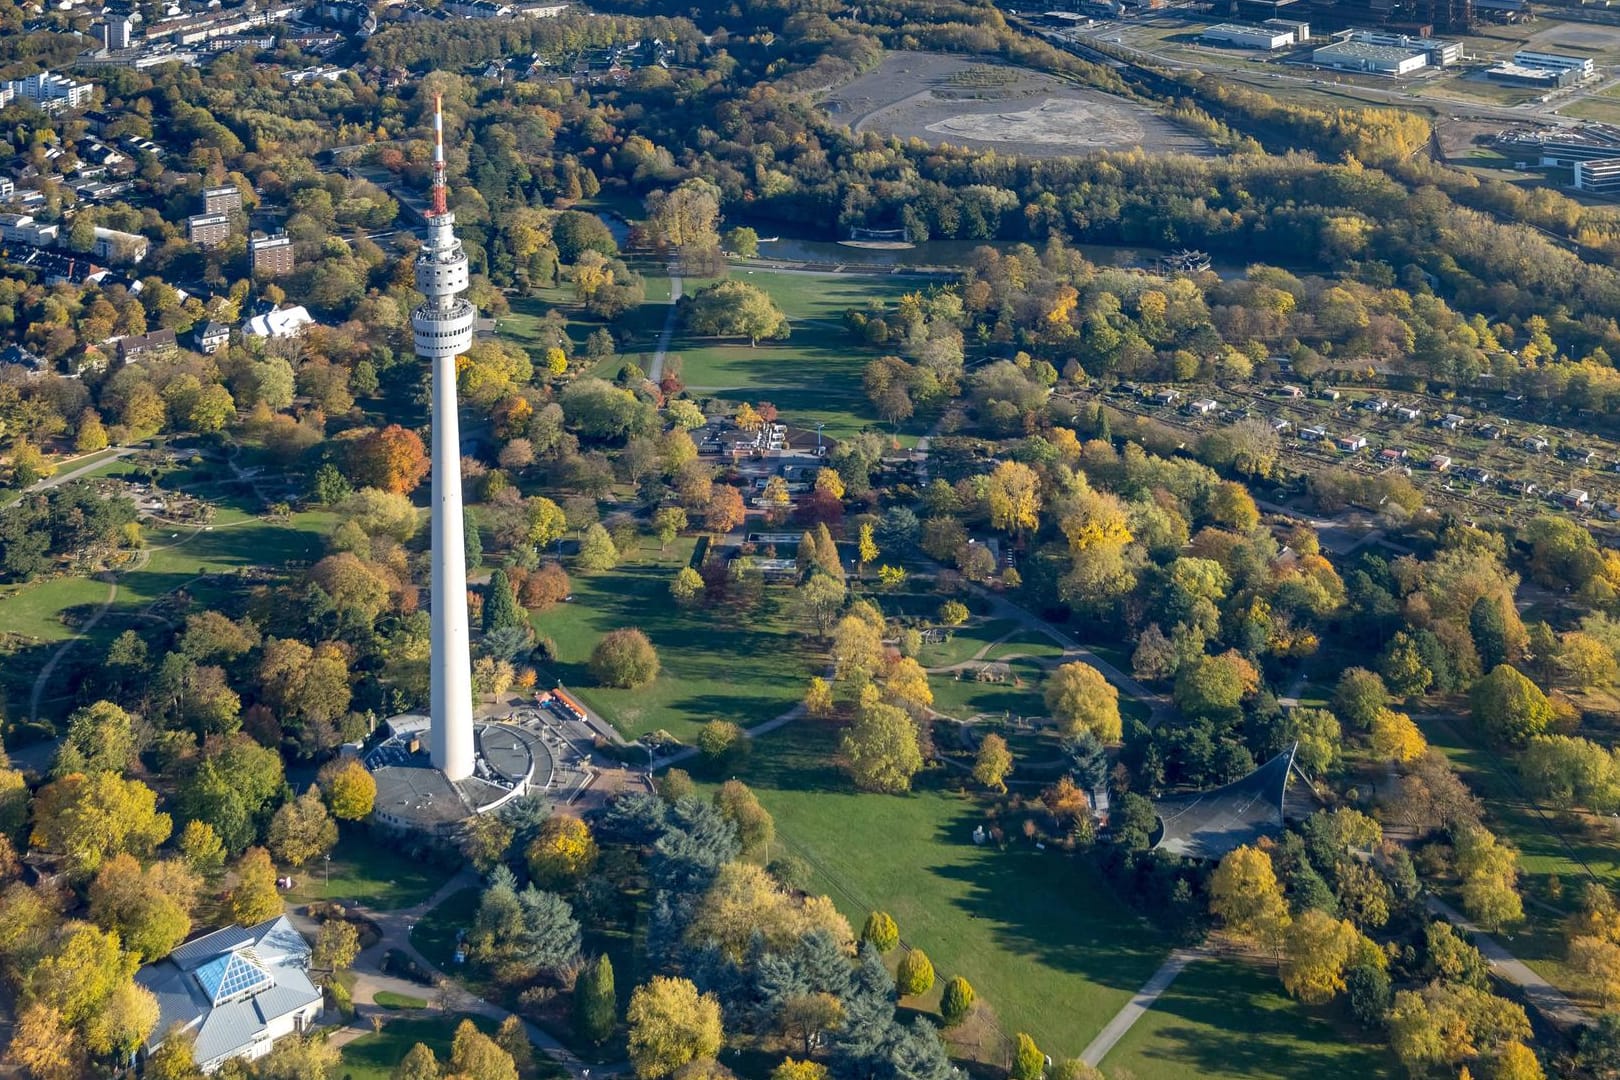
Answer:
(1028, 1061)
(881, 931)
(722, 743)
(625, 659)
(792, 871)
(915, 975)
(956, 1001)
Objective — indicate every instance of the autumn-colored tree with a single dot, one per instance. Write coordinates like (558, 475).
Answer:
(670, 1025)
(337, 943)
(1316, 951)
(44, 1046)
(150, 909)
(725, 510)
(255, 898)
(391, 459)
(1508, 707)
(756, 829)
(1028, 1061)
(1489, 870)
(1013, 494)
(563, 853)
(1396, 738)
(1245, 894)
(1081, 699)
(90, 818)
(349, 787)
(882, 749)
(880, 931)
(818, 698)
(302, 829)
(992, 763)
(915, 974)
(624, 658)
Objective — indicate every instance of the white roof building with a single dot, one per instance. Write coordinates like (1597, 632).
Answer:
(236, 991)
(282, 323)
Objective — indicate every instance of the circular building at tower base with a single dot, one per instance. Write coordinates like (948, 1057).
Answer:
(508, 761)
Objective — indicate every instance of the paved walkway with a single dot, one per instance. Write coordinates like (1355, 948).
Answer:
(1144, 998)
(112, 454)
(369, 980)
(655, 371)
(1546, 998)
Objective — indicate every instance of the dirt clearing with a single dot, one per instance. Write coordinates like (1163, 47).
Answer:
(964, 102)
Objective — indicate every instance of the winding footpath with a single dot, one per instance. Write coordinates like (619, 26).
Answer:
(395, 936)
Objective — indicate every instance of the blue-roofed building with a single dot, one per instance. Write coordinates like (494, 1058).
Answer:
(234, 991)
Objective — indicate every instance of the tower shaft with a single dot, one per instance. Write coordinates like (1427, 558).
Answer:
(443, 330)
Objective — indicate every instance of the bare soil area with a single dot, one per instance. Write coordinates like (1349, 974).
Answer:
(966, 102)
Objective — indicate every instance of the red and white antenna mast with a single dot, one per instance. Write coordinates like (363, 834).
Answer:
(440, 203)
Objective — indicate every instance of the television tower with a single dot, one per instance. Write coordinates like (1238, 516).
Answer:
(443, 328)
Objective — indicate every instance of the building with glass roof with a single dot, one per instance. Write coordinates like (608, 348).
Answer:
(234, 991)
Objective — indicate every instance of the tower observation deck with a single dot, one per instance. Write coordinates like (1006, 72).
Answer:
(443, 330)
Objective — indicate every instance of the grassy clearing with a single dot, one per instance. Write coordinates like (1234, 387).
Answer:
(390, 1000)
(434, 934)
(373, 1057)
(1026, 643)
(1226, 1019)
(366, 872)
(814, 376)
(964, 642)
(715, 663)
(966, 696)
(1040, 936)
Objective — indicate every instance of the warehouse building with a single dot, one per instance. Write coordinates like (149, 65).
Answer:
(1239, 36)
(1439, 53)
(1536, 78)
(1372, 59)
(1581, 65)
(1300, 29)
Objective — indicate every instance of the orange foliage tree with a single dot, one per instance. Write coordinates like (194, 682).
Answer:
(392, 459)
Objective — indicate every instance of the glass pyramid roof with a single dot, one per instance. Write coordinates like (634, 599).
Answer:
(232, 975)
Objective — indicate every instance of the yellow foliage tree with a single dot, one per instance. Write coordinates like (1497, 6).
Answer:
(1245, 894)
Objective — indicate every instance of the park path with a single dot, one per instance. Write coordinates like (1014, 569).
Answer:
(655, 371)
(84, 470)
(395, 935)
(1546, 998)
(1140, 1002)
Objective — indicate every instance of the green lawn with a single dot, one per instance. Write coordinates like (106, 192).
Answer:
(964, 642)
(1026, 643)
(434, 934)
(1039, 935)
(967, 697)
(366, 872)
(1227, 1019)
(373, 1057)
(390, 1000)
(716, 664)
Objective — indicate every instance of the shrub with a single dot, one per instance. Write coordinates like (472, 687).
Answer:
(625, 658)
(881, 931)
(915, 974)
(956, 1001)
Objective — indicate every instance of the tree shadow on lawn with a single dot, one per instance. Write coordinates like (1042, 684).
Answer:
(1234, 1021)
(1054, 908)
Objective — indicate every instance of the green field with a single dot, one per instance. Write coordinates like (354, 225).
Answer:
(967, 697)
(1040, 936)
(366, 872)
(1227, 1019)
(814, 376)
(964, 642)
(746, 668)
(373, 1057)
(390, 1000)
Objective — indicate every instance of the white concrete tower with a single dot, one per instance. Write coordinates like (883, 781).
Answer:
(443, 328)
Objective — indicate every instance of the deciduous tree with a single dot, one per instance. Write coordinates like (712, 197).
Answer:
(670, 1025)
